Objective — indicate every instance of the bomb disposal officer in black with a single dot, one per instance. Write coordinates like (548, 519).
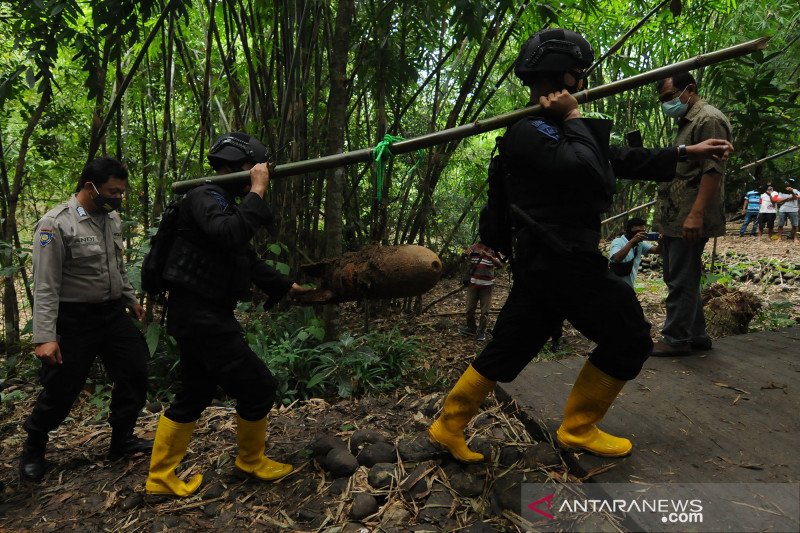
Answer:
(81, 291)
(210, 267)
(562, 175)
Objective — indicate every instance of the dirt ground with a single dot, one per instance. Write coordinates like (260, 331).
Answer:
(428, 492)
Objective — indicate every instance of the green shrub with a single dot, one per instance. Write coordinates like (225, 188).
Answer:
(776, 315)
(291, 345)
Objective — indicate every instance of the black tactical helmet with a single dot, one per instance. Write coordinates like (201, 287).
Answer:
(236, 148)
(552, 51)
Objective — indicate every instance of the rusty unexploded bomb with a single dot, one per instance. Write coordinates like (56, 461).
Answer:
(376, 272)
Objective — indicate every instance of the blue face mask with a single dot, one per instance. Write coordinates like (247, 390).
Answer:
(675, 108)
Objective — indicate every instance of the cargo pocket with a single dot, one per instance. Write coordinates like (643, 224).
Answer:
(85, 258)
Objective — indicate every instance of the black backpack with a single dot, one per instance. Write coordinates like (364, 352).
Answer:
(154, 262)
(494, 223)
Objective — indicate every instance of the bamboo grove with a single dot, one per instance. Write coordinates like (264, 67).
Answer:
(154, 82)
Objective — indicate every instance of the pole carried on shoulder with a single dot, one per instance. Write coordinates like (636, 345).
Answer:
(364, 155)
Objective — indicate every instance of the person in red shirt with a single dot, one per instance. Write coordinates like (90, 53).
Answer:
(482, 261)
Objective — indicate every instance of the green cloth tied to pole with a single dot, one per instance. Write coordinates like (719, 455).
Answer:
(381, 154)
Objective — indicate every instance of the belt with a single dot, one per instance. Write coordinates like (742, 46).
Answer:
(90, 307)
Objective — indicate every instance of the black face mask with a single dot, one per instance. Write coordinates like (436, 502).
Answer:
(106, 203)
(578, 76)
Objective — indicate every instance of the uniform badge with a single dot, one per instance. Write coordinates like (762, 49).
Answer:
(81, 211)
(219, 199)
(545, 129)
(45, 237)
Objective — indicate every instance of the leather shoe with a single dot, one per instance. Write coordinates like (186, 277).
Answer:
(701, 345)
(129, 445)
(32, 467)
(662, 349)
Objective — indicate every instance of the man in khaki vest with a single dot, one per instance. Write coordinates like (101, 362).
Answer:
(690, 210)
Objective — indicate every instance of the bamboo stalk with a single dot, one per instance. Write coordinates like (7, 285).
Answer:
(770, 157)
(631, 210)
(364, 155)
(94, 144)
(617, 45)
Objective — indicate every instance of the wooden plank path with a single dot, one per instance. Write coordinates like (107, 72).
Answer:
(730, 415)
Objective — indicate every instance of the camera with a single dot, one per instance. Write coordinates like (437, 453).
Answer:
(652, 236)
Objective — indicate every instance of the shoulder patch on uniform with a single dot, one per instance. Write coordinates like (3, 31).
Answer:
(81, 211)
(545, 129)
(221, 201)
(46, 237)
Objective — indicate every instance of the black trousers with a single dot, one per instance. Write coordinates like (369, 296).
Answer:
(598, 304)
(223, 360)
(86, 331)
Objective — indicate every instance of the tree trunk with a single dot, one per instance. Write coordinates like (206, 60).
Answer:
(10, 196)
(383, 29)
(165, 148)
(337, 111)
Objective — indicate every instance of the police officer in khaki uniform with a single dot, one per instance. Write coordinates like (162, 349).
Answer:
(81, 292)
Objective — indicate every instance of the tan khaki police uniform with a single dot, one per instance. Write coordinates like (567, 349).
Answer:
(81, 292)
(77, 257)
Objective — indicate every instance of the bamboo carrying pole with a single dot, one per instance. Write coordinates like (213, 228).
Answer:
(364, 155)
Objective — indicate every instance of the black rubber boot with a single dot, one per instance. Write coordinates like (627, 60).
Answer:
(126, 443)
(32, 465)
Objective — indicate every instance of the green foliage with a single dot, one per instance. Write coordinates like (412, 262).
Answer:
(547, 353)
(775, 316)
(275, 250)
(163, 366)
(371, 363)
(10, 398)
(708, 279)
(12, 259)
(305, 367)
(101, 401)
(734, 268)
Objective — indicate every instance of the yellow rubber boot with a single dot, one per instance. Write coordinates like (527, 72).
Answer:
(460, 406)
(593, 393)
(250, 437)
(169, 447)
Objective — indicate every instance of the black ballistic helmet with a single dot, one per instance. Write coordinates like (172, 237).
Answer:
(552, 51)
(236, 148)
